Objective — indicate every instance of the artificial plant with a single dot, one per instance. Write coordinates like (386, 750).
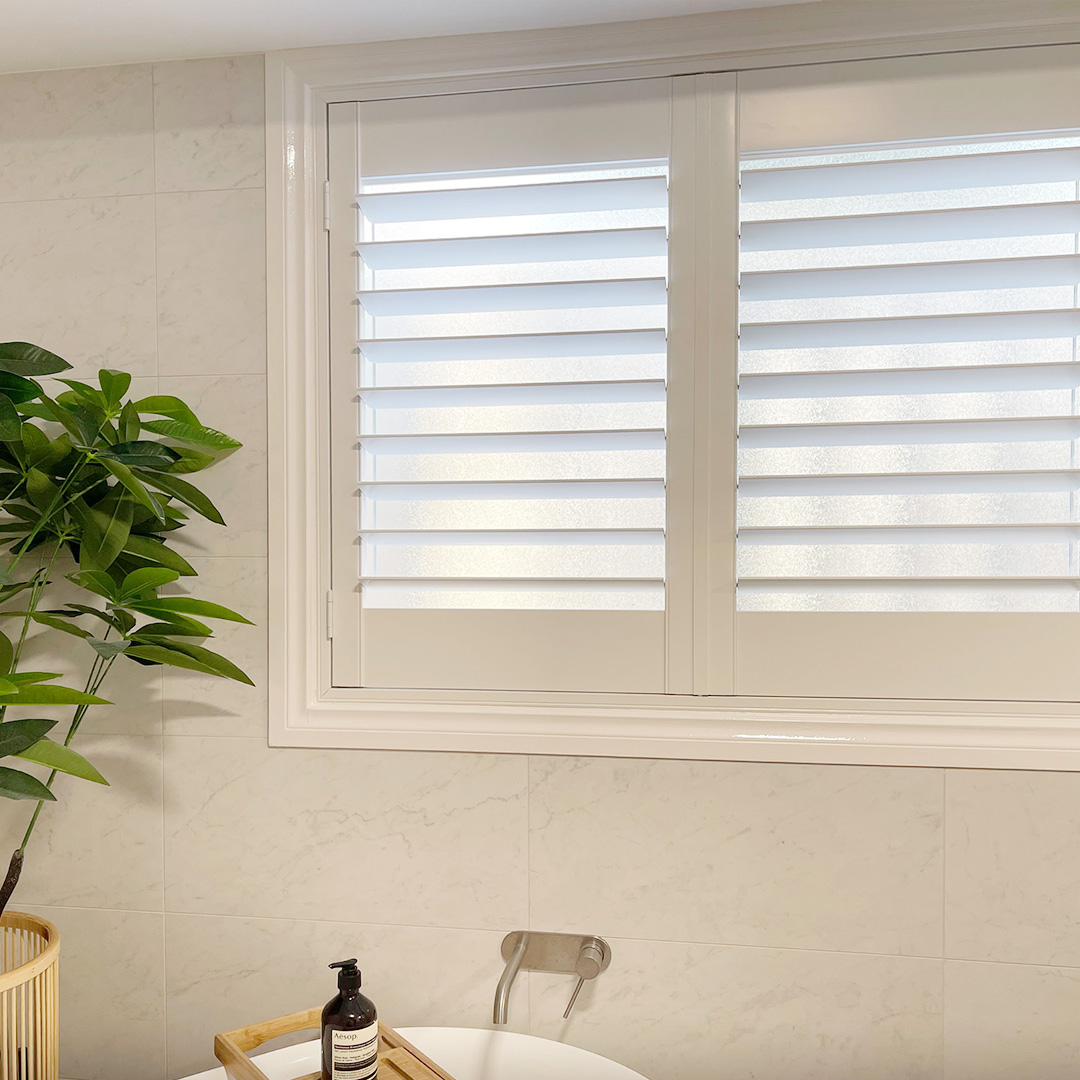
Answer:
(92, 493)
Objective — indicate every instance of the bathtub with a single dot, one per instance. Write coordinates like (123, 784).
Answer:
(467, 1054)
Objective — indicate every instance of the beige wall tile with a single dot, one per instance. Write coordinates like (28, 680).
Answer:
(112, 993)
(235, 404)
(77, 133)
(1012, 886)
(1007, 1021)
(417, 838)
(208, 119)
(224, 972)
(77, 276)
(798, 856)
(96, 846)
(698, 1012)
(211, 283)
(196, 704)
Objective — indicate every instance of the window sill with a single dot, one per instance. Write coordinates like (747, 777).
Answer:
(928, 734)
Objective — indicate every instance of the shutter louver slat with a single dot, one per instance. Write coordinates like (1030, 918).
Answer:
(511, 393)
(908, 399)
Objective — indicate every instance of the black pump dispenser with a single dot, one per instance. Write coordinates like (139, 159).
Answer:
(349, 978)
(350, 1030)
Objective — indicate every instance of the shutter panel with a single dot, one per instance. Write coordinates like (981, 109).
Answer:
(510, 412)
(908, 378)
(908, 413)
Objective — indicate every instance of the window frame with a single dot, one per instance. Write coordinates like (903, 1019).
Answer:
(305, 710)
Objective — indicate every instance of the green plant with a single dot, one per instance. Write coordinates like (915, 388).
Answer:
(91, 483)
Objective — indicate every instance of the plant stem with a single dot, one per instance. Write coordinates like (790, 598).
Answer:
(98, 670)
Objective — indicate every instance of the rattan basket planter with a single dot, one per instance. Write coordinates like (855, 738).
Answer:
(29, 998)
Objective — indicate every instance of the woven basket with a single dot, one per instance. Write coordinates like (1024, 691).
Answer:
(29, 998)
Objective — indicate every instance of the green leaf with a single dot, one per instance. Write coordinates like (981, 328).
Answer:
(182, 624)
(193, 433)
(62, 758)
(192, 461)
(147, 579)
(130, 424)
(144, 453)
(114, 385)
(22, 358)
(187, 494)
(157, 630)
(189, 605)
(167, 405)
(7, 653)
(217, 663)
(191, 657)
(72, 418)
(10, 421)
(81, 392)
(17, 388)
(58, 622)
(26, 678)
(155, 551)
(39, 694)
(95, 581)
(17, 735)
(108, 649)
(42, 491)
(7, 687)
(19, 785)
(134, 485)
(105, 531)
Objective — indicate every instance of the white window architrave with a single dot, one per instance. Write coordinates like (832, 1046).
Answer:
(305, 709)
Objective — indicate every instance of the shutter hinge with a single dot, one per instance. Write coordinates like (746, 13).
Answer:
(330, 615)
(326, 205)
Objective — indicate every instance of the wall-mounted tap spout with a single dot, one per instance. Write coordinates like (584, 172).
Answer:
(502, 991)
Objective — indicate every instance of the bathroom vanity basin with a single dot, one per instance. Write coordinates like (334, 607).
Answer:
(467, 1054)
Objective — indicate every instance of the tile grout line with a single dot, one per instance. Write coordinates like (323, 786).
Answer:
(161, 681)
(617, 937)
(944, 894)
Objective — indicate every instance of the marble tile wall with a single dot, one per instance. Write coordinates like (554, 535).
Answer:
(768, 921)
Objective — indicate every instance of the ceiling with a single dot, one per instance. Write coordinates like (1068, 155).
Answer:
(41, 34)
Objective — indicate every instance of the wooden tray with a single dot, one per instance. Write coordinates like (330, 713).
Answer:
(398, 1059)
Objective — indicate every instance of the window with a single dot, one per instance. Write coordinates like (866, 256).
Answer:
(705, 415)
(499, 387)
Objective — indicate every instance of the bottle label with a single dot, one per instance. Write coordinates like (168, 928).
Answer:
(354, 1055)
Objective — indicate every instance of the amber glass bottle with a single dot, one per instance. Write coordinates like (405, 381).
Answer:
(350, 1030)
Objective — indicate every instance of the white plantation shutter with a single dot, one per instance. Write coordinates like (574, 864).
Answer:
(909, 422)
(908, 380)
(500, 515)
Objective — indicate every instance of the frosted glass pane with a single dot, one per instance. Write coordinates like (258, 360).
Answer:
(566, 465)
(973, 508)
(1048, 350)
(1013, 247)
(953, 198)
(882, 596)
(966, 560)
(638, 558)
(550, 321)
(517, 225)
(903, 305)
(905, 458)
(624, 596)
(437, 277)
(855, 409)
(506, 371)
(522, 513)
(587, 417)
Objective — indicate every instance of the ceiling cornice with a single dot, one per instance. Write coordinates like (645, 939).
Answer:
(800, 33)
